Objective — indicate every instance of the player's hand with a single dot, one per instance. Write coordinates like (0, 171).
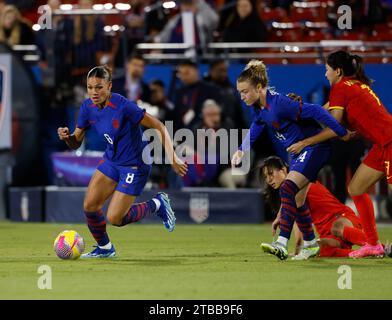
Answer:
(294, 97)
(179, 166)
(350, 135)
(63, 133)
(237, 158)
(297, 147)
(275, 226)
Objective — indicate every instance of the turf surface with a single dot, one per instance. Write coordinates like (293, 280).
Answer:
(193, 262)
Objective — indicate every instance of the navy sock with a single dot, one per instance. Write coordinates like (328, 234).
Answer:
(139, 211)
(97, 225)
(304, 222)
(287, 191)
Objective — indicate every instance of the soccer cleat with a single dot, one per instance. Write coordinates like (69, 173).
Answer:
(368, 251)
(166, 212)
(100, 253)
(307, 252)
(275, 248)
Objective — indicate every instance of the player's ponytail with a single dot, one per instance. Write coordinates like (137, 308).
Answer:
(349, 64)
(360, 75)
(271, 195)
(255, 72)
(102, 72)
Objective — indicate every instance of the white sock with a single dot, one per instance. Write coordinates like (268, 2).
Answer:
(157, 204)
(106, 246)
(310, 243)
(283, 240)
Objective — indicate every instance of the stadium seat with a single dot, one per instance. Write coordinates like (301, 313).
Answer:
(352, 35)
(375, 55)
(268, 15)
(382, 32)
(286, 32)
(316, 31)
(307, 11)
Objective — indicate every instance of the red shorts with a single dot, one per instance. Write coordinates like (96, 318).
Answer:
(380, 159)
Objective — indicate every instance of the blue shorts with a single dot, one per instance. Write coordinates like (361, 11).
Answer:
(311, 160)
(131, 180)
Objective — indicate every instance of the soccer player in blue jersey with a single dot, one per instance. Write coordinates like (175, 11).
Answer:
(291, 121)
(122, 173)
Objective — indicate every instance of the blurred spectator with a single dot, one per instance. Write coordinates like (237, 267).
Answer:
(14, 29)
(159, 99)
(231, 103)
(156, 19)
(189, 98)
(206, 21)
(22, 4)
(210, 172)
(244, 25)
(88, 43)
(53, 44)
(135, 24)
(132, 85)
(226, 12)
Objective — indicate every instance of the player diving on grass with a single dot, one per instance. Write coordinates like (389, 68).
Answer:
(291, 121)
(353, 101)
(338, 226)
(122, 173)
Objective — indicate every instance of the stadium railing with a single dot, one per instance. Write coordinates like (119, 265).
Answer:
(296, 51)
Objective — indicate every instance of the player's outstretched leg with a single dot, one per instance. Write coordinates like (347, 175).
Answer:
(275, 248)
(165, 211)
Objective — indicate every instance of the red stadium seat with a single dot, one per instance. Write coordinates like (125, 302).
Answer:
(273, 14)
(286, 32)
(316, 31)
(372, 55)
(308, 11)
(382, 32)
(352, 35)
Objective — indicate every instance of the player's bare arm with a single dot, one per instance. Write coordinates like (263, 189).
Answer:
(74, 140)
(178, 165)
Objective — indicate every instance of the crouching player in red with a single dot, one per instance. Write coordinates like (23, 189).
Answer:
(337, 225)
(352, 101)
(123, 173)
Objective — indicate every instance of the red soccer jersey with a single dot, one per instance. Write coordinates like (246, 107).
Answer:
(324, 207)
(364, 111)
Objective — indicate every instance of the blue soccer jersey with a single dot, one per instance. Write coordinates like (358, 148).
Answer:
(291, 120)
(118, 124)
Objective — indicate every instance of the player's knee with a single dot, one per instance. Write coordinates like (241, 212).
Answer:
(114, 221)
(89, 206)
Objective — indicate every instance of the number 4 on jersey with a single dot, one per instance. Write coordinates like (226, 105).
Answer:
(302, 157)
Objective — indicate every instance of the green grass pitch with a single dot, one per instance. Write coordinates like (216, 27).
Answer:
(194, 262)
